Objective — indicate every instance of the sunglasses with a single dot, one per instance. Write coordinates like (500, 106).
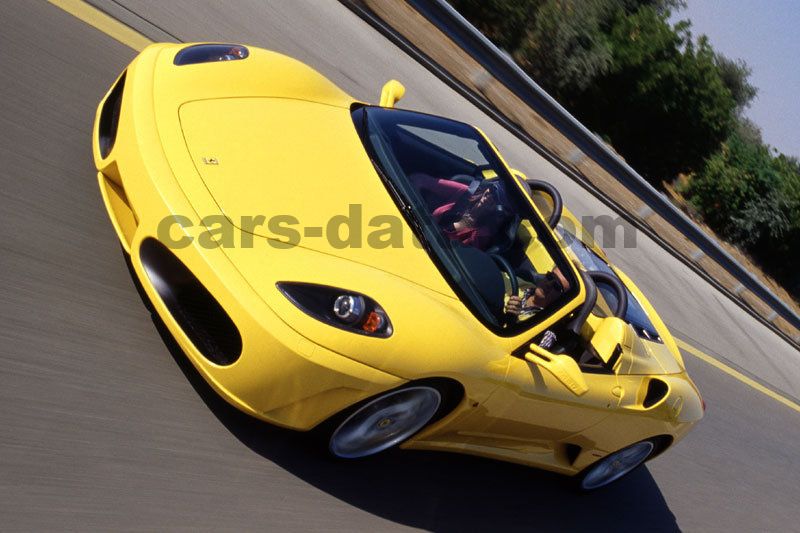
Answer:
(554, 282)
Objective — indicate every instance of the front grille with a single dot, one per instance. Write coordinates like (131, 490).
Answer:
(195, 310)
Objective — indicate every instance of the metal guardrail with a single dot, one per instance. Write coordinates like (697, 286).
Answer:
(504, 69)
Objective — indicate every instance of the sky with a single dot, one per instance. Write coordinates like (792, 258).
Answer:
(766, 35)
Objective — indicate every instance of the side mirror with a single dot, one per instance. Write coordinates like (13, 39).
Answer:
(608, 337)
(562, 367)
(391, 93)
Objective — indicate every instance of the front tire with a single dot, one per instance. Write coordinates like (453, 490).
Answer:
(616, 465)
(386, 421)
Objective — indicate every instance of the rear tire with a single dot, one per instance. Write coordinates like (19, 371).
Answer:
(616, 465)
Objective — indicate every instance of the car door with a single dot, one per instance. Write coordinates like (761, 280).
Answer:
(532, 415)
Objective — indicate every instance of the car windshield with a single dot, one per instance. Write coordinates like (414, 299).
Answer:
(466, 210)
(635, 314)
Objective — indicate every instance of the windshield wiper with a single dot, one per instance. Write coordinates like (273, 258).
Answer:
(405, 207)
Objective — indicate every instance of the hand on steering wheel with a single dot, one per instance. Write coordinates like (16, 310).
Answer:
(509, 270)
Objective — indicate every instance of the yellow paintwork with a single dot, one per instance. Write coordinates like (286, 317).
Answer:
(391, 93)
(563, 367)
(607, 334)
(268, 135)
(537, 253)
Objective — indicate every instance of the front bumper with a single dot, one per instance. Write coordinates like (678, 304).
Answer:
(280, 375)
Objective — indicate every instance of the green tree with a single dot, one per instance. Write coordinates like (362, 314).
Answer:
(662, 104)
(565, 47)
(505, 22)
(735, 75)
(748, 131)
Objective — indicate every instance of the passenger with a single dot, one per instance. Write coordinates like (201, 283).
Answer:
(472, 220)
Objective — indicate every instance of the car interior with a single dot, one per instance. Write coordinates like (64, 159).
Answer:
(448, 173)
(465, 165)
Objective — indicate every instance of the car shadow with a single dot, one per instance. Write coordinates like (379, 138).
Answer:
(440, 491)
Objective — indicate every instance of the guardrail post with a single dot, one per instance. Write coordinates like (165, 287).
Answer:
(644, 212)
(576, 157)
(697, 255)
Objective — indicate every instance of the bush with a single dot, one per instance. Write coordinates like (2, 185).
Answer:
(753, 199)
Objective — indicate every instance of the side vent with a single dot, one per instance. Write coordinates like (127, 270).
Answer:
(109, 118)
(656, 391)
(572, 452)
(615, 355)
(195, 310)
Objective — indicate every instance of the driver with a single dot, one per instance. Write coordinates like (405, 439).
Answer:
(534, 297)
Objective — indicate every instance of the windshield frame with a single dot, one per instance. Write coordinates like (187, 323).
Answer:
(435, 243)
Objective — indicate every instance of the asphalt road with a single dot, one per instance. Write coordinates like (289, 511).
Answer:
(104, 426)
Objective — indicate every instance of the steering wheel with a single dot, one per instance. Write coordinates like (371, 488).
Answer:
(506, 266)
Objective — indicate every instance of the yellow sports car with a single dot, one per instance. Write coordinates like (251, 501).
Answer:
(378, 275)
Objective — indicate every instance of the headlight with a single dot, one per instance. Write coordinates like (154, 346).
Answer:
(340, 308)
(349, 308)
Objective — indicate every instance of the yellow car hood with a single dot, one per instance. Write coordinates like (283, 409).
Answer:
(294, 170)
(642, 357)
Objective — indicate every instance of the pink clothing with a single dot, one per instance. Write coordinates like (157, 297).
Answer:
(444, 193)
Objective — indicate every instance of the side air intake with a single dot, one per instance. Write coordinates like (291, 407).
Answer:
(195, 310)
(657, 390)
(109, 118)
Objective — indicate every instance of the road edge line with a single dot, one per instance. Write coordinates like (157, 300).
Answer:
(736, 374)
(103, 22)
